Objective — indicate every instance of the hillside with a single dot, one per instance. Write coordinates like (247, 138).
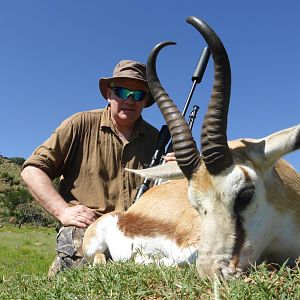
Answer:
(16, 203)
(10, 170)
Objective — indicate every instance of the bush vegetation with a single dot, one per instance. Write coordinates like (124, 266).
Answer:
(16, 203)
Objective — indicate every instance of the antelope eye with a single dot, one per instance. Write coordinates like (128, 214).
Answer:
(243, 199)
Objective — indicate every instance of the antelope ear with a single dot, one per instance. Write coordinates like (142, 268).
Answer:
(169, 170)
(281, 143)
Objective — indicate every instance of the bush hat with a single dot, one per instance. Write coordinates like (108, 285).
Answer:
(126, 69)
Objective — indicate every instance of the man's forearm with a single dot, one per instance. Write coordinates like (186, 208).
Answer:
(43, 191)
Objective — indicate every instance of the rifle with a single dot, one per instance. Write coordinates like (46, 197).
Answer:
(164, 134)
(163, 139)
(193, 116)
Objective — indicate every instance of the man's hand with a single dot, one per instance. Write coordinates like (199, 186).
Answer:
(78, 215)
(43, 191)
(170, 157)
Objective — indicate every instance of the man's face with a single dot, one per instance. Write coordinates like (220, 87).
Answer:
(125, 112)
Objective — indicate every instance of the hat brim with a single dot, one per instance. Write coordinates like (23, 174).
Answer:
(105, 82)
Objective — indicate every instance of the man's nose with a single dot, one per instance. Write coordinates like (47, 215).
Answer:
(130, 99)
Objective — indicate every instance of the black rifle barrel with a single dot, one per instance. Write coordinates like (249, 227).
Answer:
(197, 76)
(201, 66)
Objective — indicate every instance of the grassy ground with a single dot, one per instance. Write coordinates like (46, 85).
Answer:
(26, 251)
(26, 254)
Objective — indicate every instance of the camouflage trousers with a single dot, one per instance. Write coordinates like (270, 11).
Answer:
(69, 250)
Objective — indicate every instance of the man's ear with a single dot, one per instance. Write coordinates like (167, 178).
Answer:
(108, 93)
(146, 100)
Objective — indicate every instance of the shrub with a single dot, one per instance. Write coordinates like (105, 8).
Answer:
(11, 197)
(8, 179)
(17, 160)
(33, 213)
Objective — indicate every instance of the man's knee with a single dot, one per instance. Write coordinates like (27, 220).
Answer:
(69, 241)
(63, 262)
(69, 250)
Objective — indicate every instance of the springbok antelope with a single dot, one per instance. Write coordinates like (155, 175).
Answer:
(246, 196)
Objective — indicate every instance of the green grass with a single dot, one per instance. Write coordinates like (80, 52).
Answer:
(130, 281)
(33, 250)
(26, 251)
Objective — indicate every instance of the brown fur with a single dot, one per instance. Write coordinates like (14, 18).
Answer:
(283, 192)
(163, 210)
(202, 179)
(246, 175)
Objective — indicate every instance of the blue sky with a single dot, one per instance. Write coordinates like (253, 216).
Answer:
(54, 52)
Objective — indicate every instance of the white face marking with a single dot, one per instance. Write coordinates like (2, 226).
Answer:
(221, 228)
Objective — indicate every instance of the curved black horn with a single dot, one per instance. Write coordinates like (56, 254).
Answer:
(214, 147)
(187, 155)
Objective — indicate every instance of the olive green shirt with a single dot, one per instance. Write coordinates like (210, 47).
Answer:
(89, 157)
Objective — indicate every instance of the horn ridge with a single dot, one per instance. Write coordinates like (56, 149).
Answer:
(184, 146)
(214, 147)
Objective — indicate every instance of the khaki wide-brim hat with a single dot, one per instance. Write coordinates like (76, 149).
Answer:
(126, 69)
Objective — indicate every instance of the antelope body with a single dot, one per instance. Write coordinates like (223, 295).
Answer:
(247, 198)
(161, 227)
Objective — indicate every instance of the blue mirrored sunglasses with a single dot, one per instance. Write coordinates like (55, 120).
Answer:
(124, 93)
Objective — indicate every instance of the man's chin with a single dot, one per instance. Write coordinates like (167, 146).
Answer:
(127, 114)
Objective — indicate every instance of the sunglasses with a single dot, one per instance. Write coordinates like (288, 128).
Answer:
(124, 93)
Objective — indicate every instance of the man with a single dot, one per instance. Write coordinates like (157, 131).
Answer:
(89, 152)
